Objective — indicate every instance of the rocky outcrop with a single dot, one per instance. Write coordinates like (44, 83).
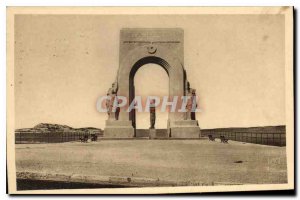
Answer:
(47, 127)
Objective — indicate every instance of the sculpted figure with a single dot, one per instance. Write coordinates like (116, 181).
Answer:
(194, 105)
(110, 102)
(117, 109)
(191, 103)
(152, 114)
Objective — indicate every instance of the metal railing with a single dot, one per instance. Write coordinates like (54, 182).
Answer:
(49, 137)
(265, 138)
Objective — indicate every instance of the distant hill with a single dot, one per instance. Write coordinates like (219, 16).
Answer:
(47, 127)
(57, 127)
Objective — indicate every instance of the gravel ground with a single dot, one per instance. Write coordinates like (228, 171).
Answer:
(176, 160)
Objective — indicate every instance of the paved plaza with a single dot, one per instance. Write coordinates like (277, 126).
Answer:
(170, 160)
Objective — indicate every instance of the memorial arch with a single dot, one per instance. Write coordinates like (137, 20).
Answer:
(158, 46)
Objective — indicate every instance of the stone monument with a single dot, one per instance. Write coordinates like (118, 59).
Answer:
(162, 46)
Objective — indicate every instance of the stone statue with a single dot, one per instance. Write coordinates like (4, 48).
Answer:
(152, 114)
(194, 105)
(191, 103)
(110, 102)
(118, 109)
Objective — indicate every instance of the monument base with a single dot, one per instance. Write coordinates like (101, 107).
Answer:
(177, 129)
(156, 134)
(185, 129)
(152, 133)
(118, 129)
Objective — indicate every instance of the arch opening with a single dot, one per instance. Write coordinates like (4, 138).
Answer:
(151, 80)
(145, 85)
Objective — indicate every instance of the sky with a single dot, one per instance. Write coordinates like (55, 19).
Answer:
(63, 63)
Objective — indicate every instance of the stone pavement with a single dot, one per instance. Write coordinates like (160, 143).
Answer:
(153, 162)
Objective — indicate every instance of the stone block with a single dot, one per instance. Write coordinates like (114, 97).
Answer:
(141, 133)
(184, 123)
(185, 129)
(118, 129)
(185, 132)
(156, 134)
(117, 132)
(152, 133)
